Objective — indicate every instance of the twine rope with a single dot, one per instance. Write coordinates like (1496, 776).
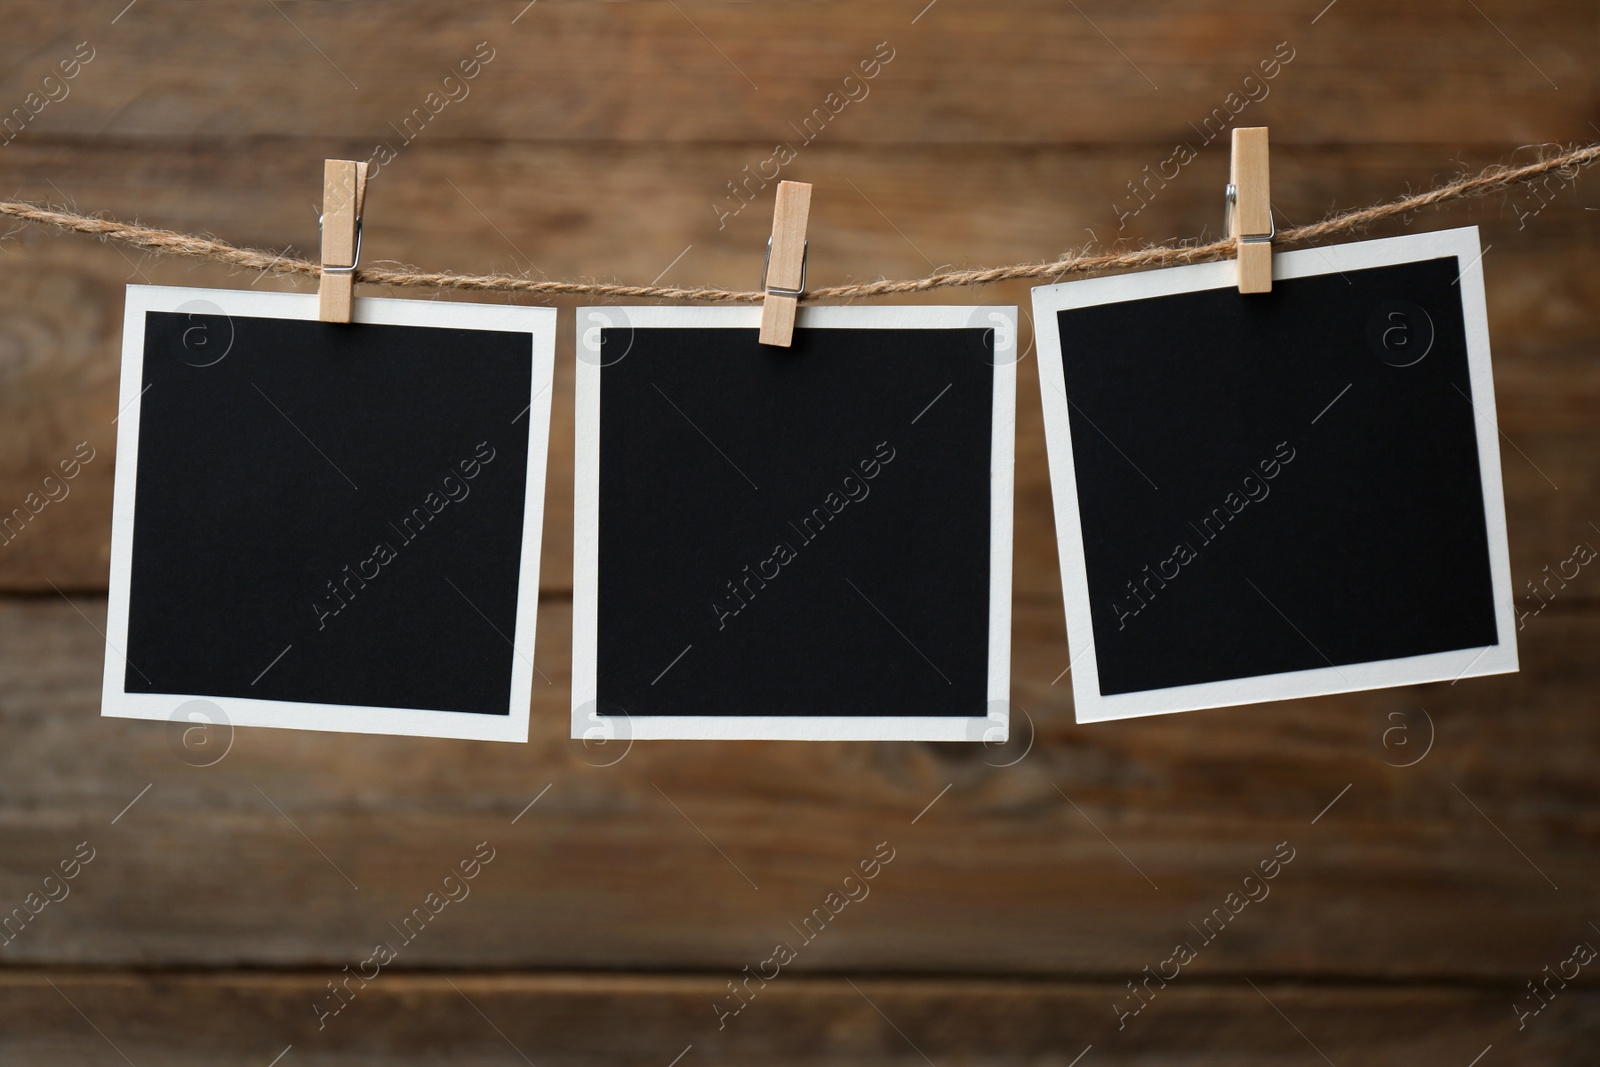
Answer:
(168, 242)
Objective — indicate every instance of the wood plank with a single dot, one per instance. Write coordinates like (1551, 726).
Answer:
(1421, 898)
(189, 1020)
(609, 212)
(1444, 871)
(1032, 72)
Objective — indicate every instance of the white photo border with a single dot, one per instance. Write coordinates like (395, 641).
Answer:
(587, 724)
(537, 322)
(1091, 706)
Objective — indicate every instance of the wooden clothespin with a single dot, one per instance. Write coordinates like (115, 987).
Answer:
(344, 192)
(1249, 211)
(784, 276)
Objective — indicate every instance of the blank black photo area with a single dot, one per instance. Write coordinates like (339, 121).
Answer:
(329, 516)
(799, 532)
(1285, 482)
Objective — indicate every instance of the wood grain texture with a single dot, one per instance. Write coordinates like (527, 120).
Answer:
(1044, 856)
(469, 207)
(187, 1020)
(1365, 72)
(643, 141)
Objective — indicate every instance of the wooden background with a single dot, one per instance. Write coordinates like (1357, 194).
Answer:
(1048, 872)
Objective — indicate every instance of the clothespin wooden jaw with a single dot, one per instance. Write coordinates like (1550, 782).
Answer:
(784, 277)
(344, 194)
(1249, 209)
